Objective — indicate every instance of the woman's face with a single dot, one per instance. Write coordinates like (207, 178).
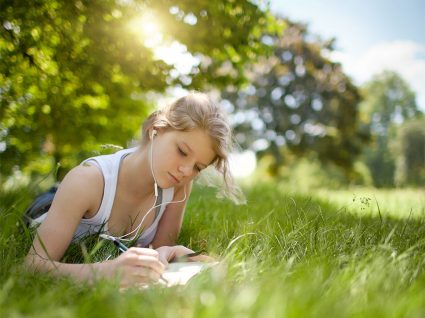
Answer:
(179, 156)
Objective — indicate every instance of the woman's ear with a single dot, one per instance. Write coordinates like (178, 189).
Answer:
(154, 132)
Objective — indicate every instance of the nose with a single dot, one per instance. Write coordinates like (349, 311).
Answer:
(185, 169)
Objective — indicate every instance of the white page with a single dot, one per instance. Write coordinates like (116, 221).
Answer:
(181, 273)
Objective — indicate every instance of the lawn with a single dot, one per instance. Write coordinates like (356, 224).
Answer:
(284, 254)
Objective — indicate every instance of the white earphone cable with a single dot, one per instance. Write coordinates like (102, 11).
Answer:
(151, 165)
(123, 237)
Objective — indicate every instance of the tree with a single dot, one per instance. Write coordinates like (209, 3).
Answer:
(298, 100)
(388, 102)
(56, 88)
(409, 153)
(73, 76)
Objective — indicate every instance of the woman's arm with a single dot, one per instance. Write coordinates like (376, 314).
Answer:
(76, 195)
(81, 191)
(169, 229)
(171, 221)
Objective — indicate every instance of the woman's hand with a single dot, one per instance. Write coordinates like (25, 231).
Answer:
(136, 266)
(168, 253)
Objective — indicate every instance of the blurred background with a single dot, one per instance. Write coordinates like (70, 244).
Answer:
(328, 94)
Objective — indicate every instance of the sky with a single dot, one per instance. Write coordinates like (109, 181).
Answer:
(370, 35)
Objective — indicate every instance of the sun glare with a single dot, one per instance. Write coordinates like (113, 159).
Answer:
(243, 164)
(148, 28)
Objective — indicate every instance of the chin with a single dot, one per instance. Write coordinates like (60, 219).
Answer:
(165, 184)
(168, 185)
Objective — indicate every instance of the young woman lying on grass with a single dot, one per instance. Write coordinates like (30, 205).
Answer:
(120, 194)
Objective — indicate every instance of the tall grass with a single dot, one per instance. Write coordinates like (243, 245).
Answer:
(284, 254)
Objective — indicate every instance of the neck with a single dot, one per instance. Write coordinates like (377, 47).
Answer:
(136, 176)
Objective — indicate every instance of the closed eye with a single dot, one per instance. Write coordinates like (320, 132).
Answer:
(185, 155)
(182, 152)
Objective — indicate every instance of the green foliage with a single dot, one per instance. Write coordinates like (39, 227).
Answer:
(388, 101)
(299, 100)
(226, 36)
(74, 75)
(409, 151)
(68, 73)
(308, 173)
(320, 255)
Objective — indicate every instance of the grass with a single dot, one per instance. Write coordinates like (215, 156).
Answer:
(284, 254)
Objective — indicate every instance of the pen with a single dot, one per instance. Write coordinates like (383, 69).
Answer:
(161, 277)
(122, 248)
(183, 258)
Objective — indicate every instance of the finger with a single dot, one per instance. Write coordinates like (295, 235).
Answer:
(180, 253)
(202, 258)
(163, 260)
(143, 274)
(150, 262)
(182, 250)
(144, 260)
(143, 251)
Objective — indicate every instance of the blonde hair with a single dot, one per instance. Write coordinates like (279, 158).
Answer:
(197, 110)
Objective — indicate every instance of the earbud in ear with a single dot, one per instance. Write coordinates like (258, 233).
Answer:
(154, 132)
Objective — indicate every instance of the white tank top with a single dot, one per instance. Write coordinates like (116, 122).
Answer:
(110, 165)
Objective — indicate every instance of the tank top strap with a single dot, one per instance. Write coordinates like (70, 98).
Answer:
(109, 166)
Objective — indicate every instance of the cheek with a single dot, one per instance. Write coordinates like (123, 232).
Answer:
(166, 157)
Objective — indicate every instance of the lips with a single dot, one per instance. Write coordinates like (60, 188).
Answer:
(174, 178)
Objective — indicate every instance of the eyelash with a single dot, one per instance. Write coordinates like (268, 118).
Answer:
(184, 155)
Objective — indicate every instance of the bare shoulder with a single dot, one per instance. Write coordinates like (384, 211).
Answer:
(84, 182)
(87, 176)
(87, 173)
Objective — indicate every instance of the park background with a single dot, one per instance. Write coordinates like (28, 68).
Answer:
(330, 145)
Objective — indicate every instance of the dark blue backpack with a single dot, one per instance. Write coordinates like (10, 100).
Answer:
(40, 205)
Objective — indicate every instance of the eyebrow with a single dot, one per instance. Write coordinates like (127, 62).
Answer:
(190, 149)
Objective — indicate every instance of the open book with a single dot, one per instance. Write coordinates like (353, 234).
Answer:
(181, 272)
